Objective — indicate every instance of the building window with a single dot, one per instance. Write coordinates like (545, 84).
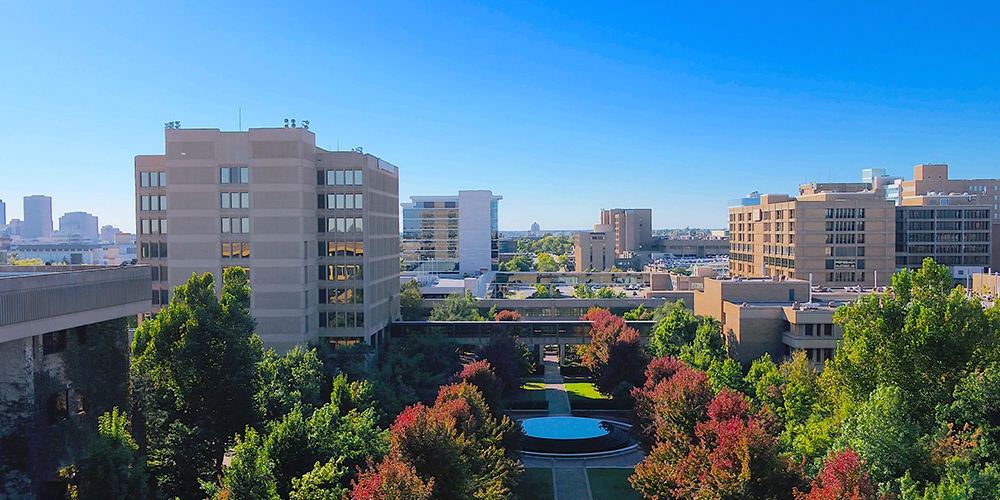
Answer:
(235, 200)
(236, 225)
(58, 406)
(235, 175)
(54, 342)
(144, 179)
(236, 250)
(343, 177)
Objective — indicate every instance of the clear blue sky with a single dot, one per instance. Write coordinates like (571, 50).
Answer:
(563, 108)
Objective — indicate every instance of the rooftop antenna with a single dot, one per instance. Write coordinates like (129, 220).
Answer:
(286, 122)
(240, 120)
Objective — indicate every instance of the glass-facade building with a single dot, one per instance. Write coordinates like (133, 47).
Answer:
(451, 234)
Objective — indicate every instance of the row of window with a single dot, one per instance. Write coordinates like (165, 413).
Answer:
(340, 225)
(779, 262)
(153, 226)
(341, 295)
(341, 272)
(234, 175)
(235, 250)
(845, 239)
(159, 273)
(337, 201)
(846, 276)
(152, 179)
(235, 225)
(945, 213)
(845, 213)
(341, 319)
(339, 177)
(161, 297)
(340, 248)
(152, 203)
(943, 249)
(153, 250)
(825, 329)
(235, 200)
(845, 225)
(845, 251)
(778, 250)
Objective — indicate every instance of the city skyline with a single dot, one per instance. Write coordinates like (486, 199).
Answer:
(565, 109)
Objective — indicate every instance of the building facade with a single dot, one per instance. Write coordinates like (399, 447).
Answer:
(451, 234)
(632, 228)
(954, 230)
(270, 201)
(932, 179)
(37, 217)
(594, 250)
(835, 238)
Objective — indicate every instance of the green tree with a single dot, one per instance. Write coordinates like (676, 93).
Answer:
(195, 370)
(290, 380)
(458, 307)
(706, 347)
(411, 301)
(923, 338)
(546, 292)
(546, 264)
(675, 327)
(883, 434)
(111, 468)
(518, 263)
(324, 482)
(250, 473)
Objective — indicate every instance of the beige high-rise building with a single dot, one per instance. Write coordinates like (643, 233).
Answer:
(318, 231)
(632, 228)
(839, 238)
(595, 250)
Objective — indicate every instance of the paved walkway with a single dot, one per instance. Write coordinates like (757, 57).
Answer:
(555, 388)
(569, 475)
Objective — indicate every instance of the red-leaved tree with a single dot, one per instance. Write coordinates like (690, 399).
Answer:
(843, 478)
(733, 454)
(674, 398)
(615, 355)
(391, 479)
(507, 315)
(481, 375)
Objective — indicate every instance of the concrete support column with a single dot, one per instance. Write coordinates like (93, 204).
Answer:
(562, 353)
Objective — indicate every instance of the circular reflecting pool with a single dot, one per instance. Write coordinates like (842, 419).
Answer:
(564, 428)
(554, 436)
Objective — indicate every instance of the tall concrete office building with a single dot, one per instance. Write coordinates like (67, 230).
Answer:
(37, 217)
(594, 250)
(3, 213)
(79, 223)
(633, 228)
(317, 230)
(451, 234)
(838, 235)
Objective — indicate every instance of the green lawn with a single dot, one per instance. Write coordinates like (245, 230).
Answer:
(536, 484)
(583, 390)
(611, 484)
(531, 391)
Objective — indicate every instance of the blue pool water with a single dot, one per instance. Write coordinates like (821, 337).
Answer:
(563, 428)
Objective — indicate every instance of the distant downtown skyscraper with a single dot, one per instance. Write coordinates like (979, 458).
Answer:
(79, 223)
(37, 217)
(3, 213)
